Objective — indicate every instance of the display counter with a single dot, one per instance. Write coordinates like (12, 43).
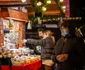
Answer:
(32, 66)
(19, 59)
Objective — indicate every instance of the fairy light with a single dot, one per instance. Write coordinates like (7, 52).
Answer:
(23, 0)
(64, 10)
(64, 7)
(39, 3)
(61, 0)
(44, 8)
(48, 1)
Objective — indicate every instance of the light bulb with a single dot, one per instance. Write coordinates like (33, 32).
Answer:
(61, 0)
(39, 3)
(63, 7)
(48, 1)
(64, 10)
(23, 0)
(44, 8)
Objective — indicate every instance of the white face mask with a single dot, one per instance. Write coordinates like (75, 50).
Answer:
(64, 32)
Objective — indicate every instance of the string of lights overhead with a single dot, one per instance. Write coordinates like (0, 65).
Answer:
(40, 5)
(57, 19)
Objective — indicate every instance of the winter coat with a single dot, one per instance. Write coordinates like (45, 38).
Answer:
(75, 48)
(47, 46)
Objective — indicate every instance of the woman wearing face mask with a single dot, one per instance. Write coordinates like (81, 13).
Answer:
(69, 49)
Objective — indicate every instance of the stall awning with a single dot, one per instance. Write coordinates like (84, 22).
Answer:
(13, 14)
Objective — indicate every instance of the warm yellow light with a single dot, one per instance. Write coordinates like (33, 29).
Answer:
(48, 1)
(44, 8)
(64, 10)
(64, 7)
(61, 0)
(39, 3)
(23, 0)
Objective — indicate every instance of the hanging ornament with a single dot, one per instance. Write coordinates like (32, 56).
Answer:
(10, 24)
(24, 10)
(39, 21)
(61, 19)
(29, 26)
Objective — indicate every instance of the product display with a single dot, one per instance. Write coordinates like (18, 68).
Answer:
(13, 53)
(19, 56)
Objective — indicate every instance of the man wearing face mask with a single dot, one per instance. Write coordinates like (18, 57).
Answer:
(69, 49)
(41, 33)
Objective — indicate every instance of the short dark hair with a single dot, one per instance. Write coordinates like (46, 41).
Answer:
(70, 26)
(41, 29)
(65, 24)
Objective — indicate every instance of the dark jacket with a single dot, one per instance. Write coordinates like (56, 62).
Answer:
(47, 46)
(75, 48)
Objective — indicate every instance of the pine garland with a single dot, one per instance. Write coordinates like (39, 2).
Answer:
(44, 3)
(59, 5)
(10, 24)
(38, 8)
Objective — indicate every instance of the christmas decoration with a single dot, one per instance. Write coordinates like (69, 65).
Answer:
(10, 24)
(29, 25)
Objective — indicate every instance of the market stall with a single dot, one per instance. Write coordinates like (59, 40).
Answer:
(13, 55)
(14, 23)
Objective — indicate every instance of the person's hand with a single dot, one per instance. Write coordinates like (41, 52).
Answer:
(62, 57)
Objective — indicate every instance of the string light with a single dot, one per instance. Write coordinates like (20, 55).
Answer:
(44, 8)
(61, 0)
(48, 1)
(39, 3)
(64, 10)
(64, 7)
(73, 18)
(23, 0)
